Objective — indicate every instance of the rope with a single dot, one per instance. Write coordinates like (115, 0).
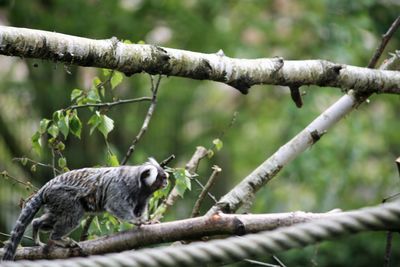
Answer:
(237, 248)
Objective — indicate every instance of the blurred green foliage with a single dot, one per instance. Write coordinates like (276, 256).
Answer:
(351, 167)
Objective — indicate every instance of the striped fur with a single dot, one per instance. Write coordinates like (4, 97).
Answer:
(26, 216)
(123, 191)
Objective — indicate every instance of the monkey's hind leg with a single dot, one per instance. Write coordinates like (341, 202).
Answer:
(44, 223)
(67, 212)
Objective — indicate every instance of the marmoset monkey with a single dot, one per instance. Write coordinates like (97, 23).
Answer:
(123, 191)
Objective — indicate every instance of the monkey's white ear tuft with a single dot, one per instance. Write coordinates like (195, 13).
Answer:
(153, 161)
(149, 175)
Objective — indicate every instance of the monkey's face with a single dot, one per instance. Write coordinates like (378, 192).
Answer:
(154, 178)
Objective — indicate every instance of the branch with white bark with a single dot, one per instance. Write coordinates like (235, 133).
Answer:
(238, 73)
(246, 189)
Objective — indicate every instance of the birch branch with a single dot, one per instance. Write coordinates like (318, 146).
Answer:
(238, 73)
(245, 190)
(204, 227)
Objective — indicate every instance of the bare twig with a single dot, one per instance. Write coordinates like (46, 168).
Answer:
(191, 167)
(281, 264)
(213, 198)
(209, 184)
(388, 249)
(154, 90)
(109, 104)
(253, 262)
(27, 184)
(385, 39)
(53, 162)
(8, 236)
(34, 162)
(165, 162)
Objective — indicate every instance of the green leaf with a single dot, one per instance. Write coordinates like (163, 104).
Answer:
(57, 115)
(93, 96)
(103, 123)
(188, 181)
(107, 72)
(112, 160)
(94, 121)
(43, 126)
(97, 223)
(106, 125)
(210, 153)
(53, 130)
(124, 226)
(24, 161)
(63, 125)
(116, 79)
(36, 142)
(75, 125)
(62, 162)
(75, 94)
(218, 144)
(183, 181)
(96, 82)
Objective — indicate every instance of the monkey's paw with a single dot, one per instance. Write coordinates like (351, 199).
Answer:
(153, 222)
(65, 242)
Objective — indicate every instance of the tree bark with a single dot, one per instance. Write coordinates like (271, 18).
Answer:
(238, 73)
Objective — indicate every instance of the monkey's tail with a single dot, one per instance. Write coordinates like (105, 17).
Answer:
(26, 216)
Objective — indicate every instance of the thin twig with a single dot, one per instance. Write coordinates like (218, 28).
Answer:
(388, 249)
(27, 184)
(191, 167)
(165, 162)
(109, 104)
(143, 129)
(254, 262)
(281, 264)
(53, 162)
(202, 188)
(209, 184)
(8, 235)
(385, 40)
(34, 162)
(85, 229)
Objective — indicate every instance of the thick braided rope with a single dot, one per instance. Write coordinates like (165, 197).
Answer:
(236, 248)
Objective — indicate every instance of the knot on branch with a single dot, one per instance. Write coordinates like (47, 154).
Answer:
(330, 73)
(159, 62)
(296, 96)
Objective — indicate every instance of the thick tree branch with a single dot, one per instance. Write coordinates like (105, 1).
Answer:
(239, 73)
(204, 227)
(245, 190)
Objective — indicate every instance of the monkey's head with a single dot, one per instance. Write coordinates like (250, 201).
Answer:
(153, 176)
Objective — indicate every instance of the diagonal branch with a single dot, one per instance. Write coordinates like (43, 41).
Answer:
(245, 190)
(239, 73)
(145, 125)
(385, 40)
